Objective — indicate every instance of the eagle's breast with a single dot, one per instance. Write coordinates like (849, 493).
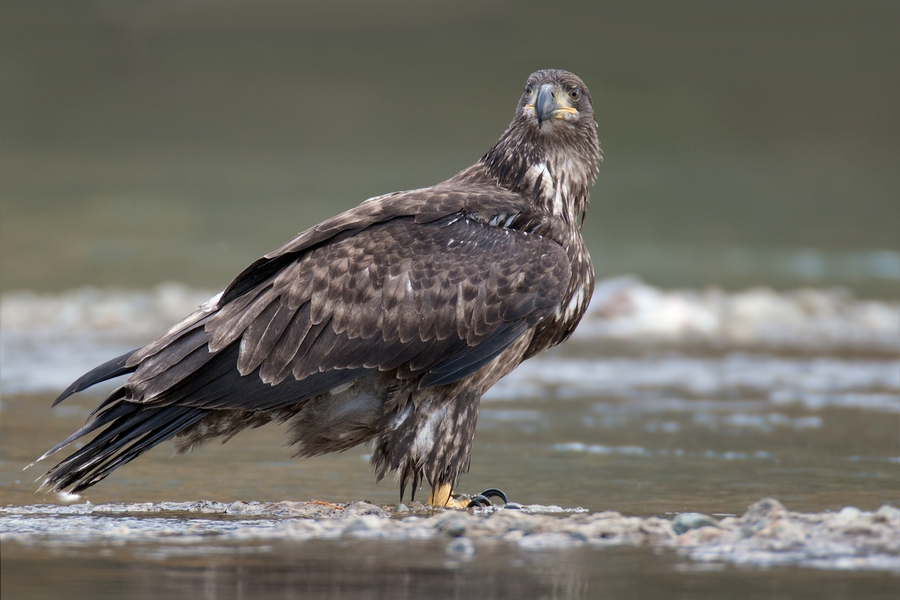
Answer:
(560, 187)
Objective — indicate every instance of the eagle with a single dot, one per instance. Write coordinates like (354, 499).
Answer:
(384, 324)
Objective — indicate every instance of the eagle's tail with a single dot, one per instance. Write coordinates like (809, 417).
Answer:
(131, 429)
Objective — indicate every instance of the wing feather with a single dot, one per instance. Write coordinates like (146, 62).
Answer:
(263, 335)
(177, 350)
(185, 369)
(462, 363)
(229, 323)
(274, 367)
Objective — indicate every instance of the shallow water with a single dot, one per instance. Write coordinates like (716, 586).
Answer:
(661, 427)
(655, 429)
(362, 570)
(647, 449)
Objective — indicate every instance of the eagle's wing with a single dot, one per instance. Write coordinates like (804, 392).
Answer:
(427, 292)
(437, 300)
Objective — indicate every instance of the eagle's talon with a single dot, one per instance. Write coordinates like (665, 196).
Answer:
(495, 493)
(483, 500)
(479, 501)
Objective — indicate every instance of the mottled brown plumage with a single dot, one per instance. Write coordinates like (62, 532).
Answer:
(384, 324)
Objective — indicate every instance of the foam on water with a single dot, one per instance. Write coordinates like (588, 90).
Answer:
(623, 310)
(48, 340)
(626, 312)
(812, 382)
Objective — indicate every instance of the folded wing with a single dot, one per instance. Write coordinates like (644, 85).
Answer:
(433, 300)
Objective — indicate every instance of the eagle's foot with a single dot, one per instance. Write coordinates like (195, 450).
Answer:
(442, 496)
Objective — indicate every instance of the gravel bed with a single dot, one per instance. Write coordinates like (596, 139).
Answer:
(766, 535)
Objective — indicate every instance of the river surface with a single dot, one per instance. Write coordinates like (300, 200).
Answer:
(646, 416)
(746, 183)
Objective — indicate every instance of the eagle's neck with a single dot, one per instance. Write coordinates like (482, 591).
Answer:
(554, 171)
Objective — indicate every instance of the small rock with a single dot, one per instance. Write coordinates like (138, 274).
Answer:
(848, 514)
(460, 547)
(455, 528)
(363, 526)
(451, 523)
(687, 521)
(762, 515)
(401, 508)
(547, 541)
(304, 529)
(236, 508)
(362, 507)
(578, 536)
(887, 514)
(513, 536)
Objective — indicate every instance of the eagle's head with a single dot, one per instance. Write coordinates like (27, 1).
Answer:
(550, 150)
(557, 104)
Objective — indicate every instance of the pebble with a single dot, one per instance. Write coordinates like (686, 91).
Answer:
(460, 547)
(363, 526)
(687, 521)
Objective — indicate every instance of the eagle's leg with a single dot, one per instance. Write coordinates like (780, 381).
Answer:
(442, 495)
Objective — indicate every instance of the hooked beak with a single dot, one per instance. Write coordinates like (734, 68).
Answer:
(545, 103)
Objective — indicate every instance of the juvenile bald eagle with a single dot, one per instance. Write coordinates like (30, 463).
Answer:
(384, 324)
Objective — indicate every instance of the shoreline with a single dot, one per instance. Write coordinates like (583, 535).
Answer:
(766, 535)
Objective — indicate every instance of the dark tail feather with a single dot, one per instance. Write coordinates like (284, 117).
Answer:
(107, 370)
(92, 424)
(133, 429)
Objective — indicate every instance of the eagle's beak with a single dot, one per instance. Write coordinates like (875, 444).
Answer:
(547, 105)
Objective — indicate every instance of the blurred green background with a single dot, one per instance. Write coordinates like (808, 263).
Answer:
(745, 142)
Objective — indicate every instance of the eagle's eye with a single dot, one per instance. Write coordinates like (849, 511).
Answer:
(575, 93)
(529, 90)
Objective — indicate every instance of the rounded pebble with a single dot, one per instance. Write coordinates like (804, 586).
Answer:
(461, 546)
(687, 521)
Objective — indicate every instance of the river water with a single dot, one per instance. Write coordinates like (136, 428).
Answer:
(792, 396)
(746, 182)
